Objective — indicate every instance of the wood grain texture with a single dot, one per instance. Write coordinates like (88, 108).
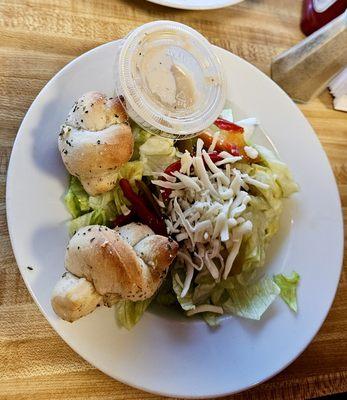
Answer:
(38, 38)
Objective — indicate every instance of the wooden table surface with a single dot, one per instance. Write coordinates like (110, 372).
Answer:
(38, 38)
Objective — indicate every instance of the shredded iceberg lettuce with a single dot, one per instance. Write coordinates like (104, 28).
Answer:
(211, 319)
(101, 209)
(130, 312)
(250, 301)
(288, 286)
(140, 136)
(280, 171)
(76, 198)
(157, 153)
(96, 217)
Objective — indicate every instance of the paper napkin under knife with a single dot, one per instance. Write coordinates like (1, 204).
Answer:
(338, 88)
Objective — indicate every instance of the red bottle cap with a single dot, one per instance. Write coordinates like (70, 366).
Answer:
(317, 13)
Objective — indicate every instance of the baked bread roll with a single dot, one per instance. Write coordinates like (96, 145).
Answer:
(73, 298)
(126, 263)
(95, 140)
(131, 261)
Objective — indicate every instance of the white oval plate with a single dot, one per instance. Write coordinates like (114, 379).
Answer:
(162, 354)
(196, 4)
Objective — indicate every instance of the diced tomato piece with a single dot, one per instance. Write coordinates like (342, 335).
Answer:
(227, 141)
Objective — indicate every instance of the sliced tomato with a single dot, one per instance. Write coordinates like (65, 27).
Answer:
(227, 141)
(232, 142)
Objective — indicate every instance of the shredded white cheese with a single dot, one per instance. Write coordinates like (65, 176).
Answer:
(214, 141)
(205, 308)
(251, 152)
(188, 280)
(206, 211)
(125, 210)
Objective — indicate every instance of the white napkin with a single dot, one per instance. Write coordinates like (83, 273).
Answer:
(338, 88)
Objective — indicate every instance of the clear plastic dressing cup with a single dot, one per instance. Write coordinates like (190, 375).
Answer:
(169, 79)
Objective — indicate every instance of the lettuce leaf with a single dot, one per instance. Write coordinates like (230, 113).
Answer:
(264, 210)
(219, 295)
(204, 288)
(250, 301)
(211, 319)
(140, 136)
(79, 202)
(76, 198)
(96, 217)
(130, 312)
(105, 207)
(202, 292)
(166, 295)
(288, 286)
(265, 222)
(280, 170)
(119, 200)
(104, 202)
(156, 154)
(132, 170)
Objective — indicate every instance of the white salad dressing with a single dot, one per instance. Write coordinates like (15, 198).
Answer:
(169, 79)
(165, 79)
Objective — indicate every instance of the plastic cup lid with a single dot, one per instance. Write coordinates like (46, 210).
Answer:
(171, 81)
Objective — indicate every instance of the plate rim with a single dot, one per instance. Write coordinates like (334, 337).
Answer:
(179, 6)
(10, 224)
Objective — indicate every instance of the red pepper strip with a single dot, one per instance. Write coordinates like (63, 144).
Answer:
(122, 220)
(176, 166)
(215, 157)
(148, 197)
(165, 193)
(146, 216)
(228, 126)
